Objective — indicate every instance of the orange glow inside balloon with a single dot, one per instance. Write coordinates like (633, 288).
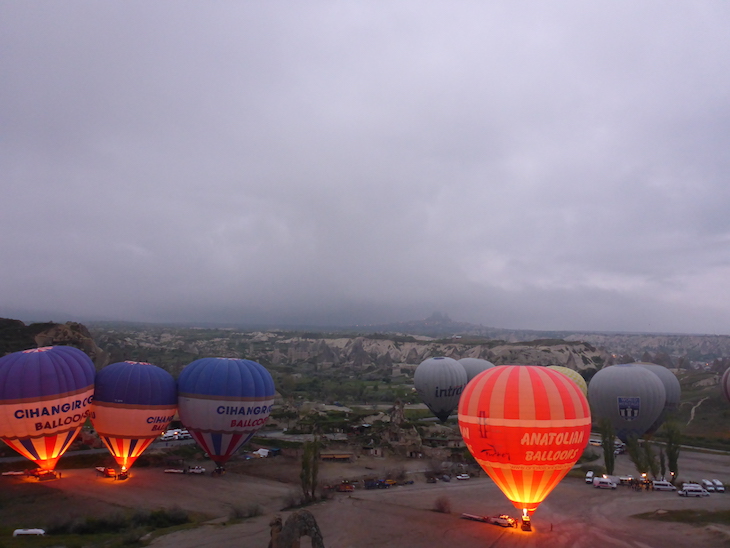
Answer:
(526, 426)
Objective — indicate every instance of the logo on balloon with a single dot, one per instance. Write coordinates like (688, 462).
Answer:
(629, 408)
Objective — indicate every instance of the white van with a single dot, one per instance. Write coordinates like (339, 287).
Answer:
(589, 476)
(24, 532)
(663, 486)
(708, 485)
(603, 483)
(719, 487)
(692, 490)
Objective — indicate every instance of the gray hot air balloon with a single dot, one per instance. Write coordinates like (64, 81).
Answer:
(672, 389)
(439, 382)
(474, 366)
(630, 396)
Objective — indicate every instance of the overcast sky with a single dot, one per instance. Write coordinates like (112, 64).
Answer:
(538, 165)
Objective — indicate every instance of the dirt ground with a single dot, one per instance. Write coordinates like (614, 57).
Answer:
(575, 515)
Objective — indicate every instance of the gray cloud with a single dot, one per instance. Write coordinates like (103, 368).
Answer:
(555, 166)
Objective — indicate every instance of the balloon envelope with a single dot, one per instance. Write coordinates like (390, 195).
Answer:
(474, 366)
(629, 396)
(439, 382)
(223, 402)
(672, 389)
(574, 376)
(526, 426)
(133, 403)
(45, 394)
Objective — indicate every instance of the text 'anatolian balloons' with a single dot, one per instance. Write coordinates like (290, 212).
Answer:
(133, 404)
(45, 394)
(526, 426)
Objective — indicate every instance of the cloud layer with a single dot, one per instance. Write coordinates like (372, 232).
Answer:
(516, 164)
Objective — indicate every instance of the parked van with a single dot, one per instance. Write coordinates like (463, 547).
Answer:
(708, 485)
(719, 487)
(589, 476)
(663, 486)
(32, 532)
(603, 483)
(693, 490)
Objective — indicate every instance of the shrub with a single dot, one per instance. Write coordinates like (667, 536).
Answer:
(249, 511)
(442, 505)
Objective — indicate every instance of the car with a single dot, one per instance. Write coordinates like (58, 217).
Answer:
(174, 471)
(474, 517)
(603, 483)
(196, 470)
(13, 473)
(445, 477)
(106, 471)
(663, 486)
(589, 476)
(391, 482)
(345, 488)
(503, 520)
(463, 477)
(719, 487)
(41, 475)
(708, 485)
(626, 480)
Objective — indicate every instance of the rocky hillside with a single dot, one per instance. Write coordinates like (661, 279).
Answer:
(172, 348)
(16, 336)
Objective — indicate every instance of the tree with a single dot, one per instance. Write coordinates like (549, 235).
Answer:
(662, 462)
(637, 455)
(310, 470)
(674, 440)
(650, 459)
(608, 439)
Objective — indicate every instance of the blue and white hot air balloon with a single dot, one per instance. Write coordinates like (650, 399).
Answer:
(133, 404)
(223, 402)
(45, 394)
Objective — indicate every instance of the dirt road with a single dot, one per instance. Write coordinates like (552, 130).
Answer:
(575, 515)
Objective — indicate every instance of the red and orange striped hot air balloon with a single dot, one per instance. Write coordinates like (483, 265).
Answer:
(526, 426)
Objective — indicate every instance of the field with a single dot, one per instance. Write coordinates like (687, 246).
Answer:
(574, 515)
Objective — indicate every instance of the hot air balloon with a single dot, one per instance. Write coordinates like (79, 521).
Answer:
(725, 383)
(439, 382)
(223, 402)
(45, 394)
(526, 426)
(474, 366)
(133, 403)
(672, 389)
(574, 376)
(629, 396)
